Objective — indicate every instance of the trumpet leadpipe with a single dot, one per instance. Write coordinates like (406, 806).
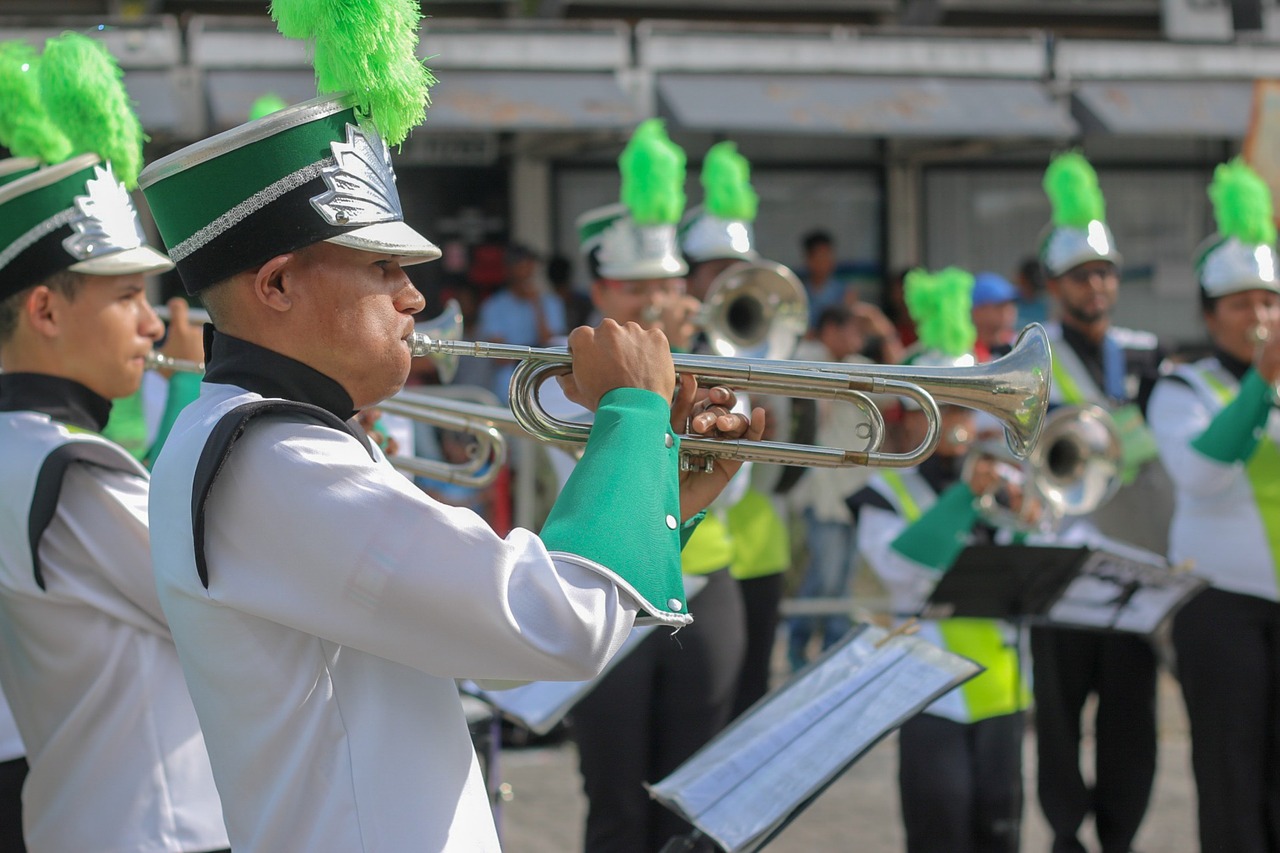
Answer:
(157, 360)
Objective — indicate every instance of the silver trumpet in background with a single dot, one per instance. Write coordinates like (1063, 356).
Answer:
(485, 423)
(1014, 389)
(754, 309)
(1260, 334)
(1073, 470)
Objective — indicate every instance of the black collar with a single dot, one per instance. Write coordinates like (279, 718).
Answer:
(1233, 365)
(1086, 348)
(64, 400)
(940, 471)
(232, 361)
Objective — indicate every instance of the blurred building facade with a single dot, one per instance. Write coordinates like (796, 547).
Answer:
(915, 131)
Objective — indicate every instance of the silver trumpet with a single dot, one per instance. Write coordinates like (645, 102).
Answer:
(157, 360)
(1014, 389)
(1260, 334)
(754, 309)
(1073, 470)
(485, 423)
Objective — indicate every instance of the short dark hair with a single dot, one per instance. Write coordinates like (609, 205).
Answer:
(593, 263)
(815, 238)
(834, 315)
(64, 282)
(1208, 304)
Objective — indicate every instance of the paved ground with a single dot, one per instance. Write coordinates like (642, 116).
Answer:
(858, 813)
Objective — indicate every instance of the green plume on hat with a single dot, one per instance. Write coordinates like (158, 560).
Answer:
(726, 184)
(1242, 204)
(83, 89)
(1072, 187)
(940, 304)
(25, 127)
(266, 105)
(367, 48)
(652, 168)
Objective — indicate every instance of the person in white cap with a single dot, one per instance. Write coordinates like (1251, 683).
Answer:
(1217, 427)
(88, 664)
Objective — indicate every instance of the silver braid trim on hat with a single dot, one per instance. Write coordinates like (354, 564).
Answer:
(247, 208)
(35, 235)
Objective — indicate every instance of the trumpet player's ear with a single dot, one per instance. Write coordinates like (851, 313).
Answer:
(270, 282)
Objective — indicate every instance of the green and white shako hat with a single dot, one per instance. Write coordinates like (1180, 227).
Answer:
(1078, 232)
(311, 172)
(1241, 255)
(13, 168)
(73, 216)
(941, 306)
(637, 238)
(722, 226)
(76, 213)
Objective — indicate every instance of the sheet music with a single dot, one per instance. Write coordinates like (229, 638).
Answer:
(540, 705)
(1123, 594)
(754, 777)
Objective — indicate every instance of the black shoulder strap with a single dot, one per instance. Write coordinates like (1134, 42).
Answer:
(222, 440)
(866, 496)
(48, 489)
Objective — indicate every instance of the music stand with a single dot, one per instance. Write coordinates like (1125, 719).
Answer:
(1082, 587)
(755, 777)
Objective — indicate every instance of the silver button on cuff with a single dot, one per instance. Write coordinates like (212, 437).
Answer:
(674, 604)
(672, 523)
(670, 442)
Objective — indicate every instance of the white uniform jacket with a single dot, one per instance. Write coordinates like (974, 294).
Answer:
(117, 759)
(1216, 522)
(338, 603)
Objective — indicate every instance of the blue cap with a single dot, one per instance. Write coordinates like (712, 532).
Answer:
(990, 287)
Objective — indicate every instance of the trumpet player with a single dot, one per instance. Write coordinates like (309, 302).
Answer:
(960, 761)
(668, 697)
(1096, 362)
(117, 760)
(1217, 429)
(321, 639)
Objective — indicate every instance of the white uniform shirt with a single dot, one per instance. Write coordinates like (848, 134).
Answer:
(342, 603)
(117, 759)
(1216, 522)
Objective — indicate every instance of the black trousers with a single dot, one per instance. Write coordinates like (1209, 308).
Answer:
(760, 598)
(12, 775)
(653, 710)
(961, 784)
(1228, 648)
(1068, 665)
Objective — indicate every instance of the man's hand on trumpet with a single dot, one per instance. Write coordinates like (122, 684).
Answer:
(184, 339)
(708, 414)
(612, 356)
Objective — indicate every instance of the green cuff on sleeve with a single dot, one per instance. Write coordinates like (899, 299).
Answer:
(939, 535)
(620, 508)
(1233, 435)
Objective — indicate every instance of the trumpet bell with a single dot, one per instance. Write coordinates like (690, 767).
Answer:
(755, 310)
(1078, 461)
(445, 327)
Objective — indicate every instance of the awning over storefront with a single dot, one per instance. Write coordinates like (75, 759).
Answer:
(462, 100)
(866, 106)
(530, 100)
(1165, 108)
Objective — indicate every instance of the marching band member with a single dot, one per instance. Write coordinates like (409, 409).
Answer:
(13, 761)
(91, 671)
(960, 770)
(717, 235)
(1097, 362)
(670, 694)
(1217, 428)
(319, 638)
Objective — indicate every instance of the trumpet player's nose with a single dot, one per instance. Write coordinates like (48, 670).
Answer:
(409, 300)
(149, 323)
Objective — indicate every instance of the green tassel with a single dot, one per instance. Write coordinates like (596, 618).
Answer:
(726, 184)
(941, 306)
(652, 168)
(266, 105)
(368, 48)
(1072, 187)
(1242, 204)
(83, 89)
(25, 127)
